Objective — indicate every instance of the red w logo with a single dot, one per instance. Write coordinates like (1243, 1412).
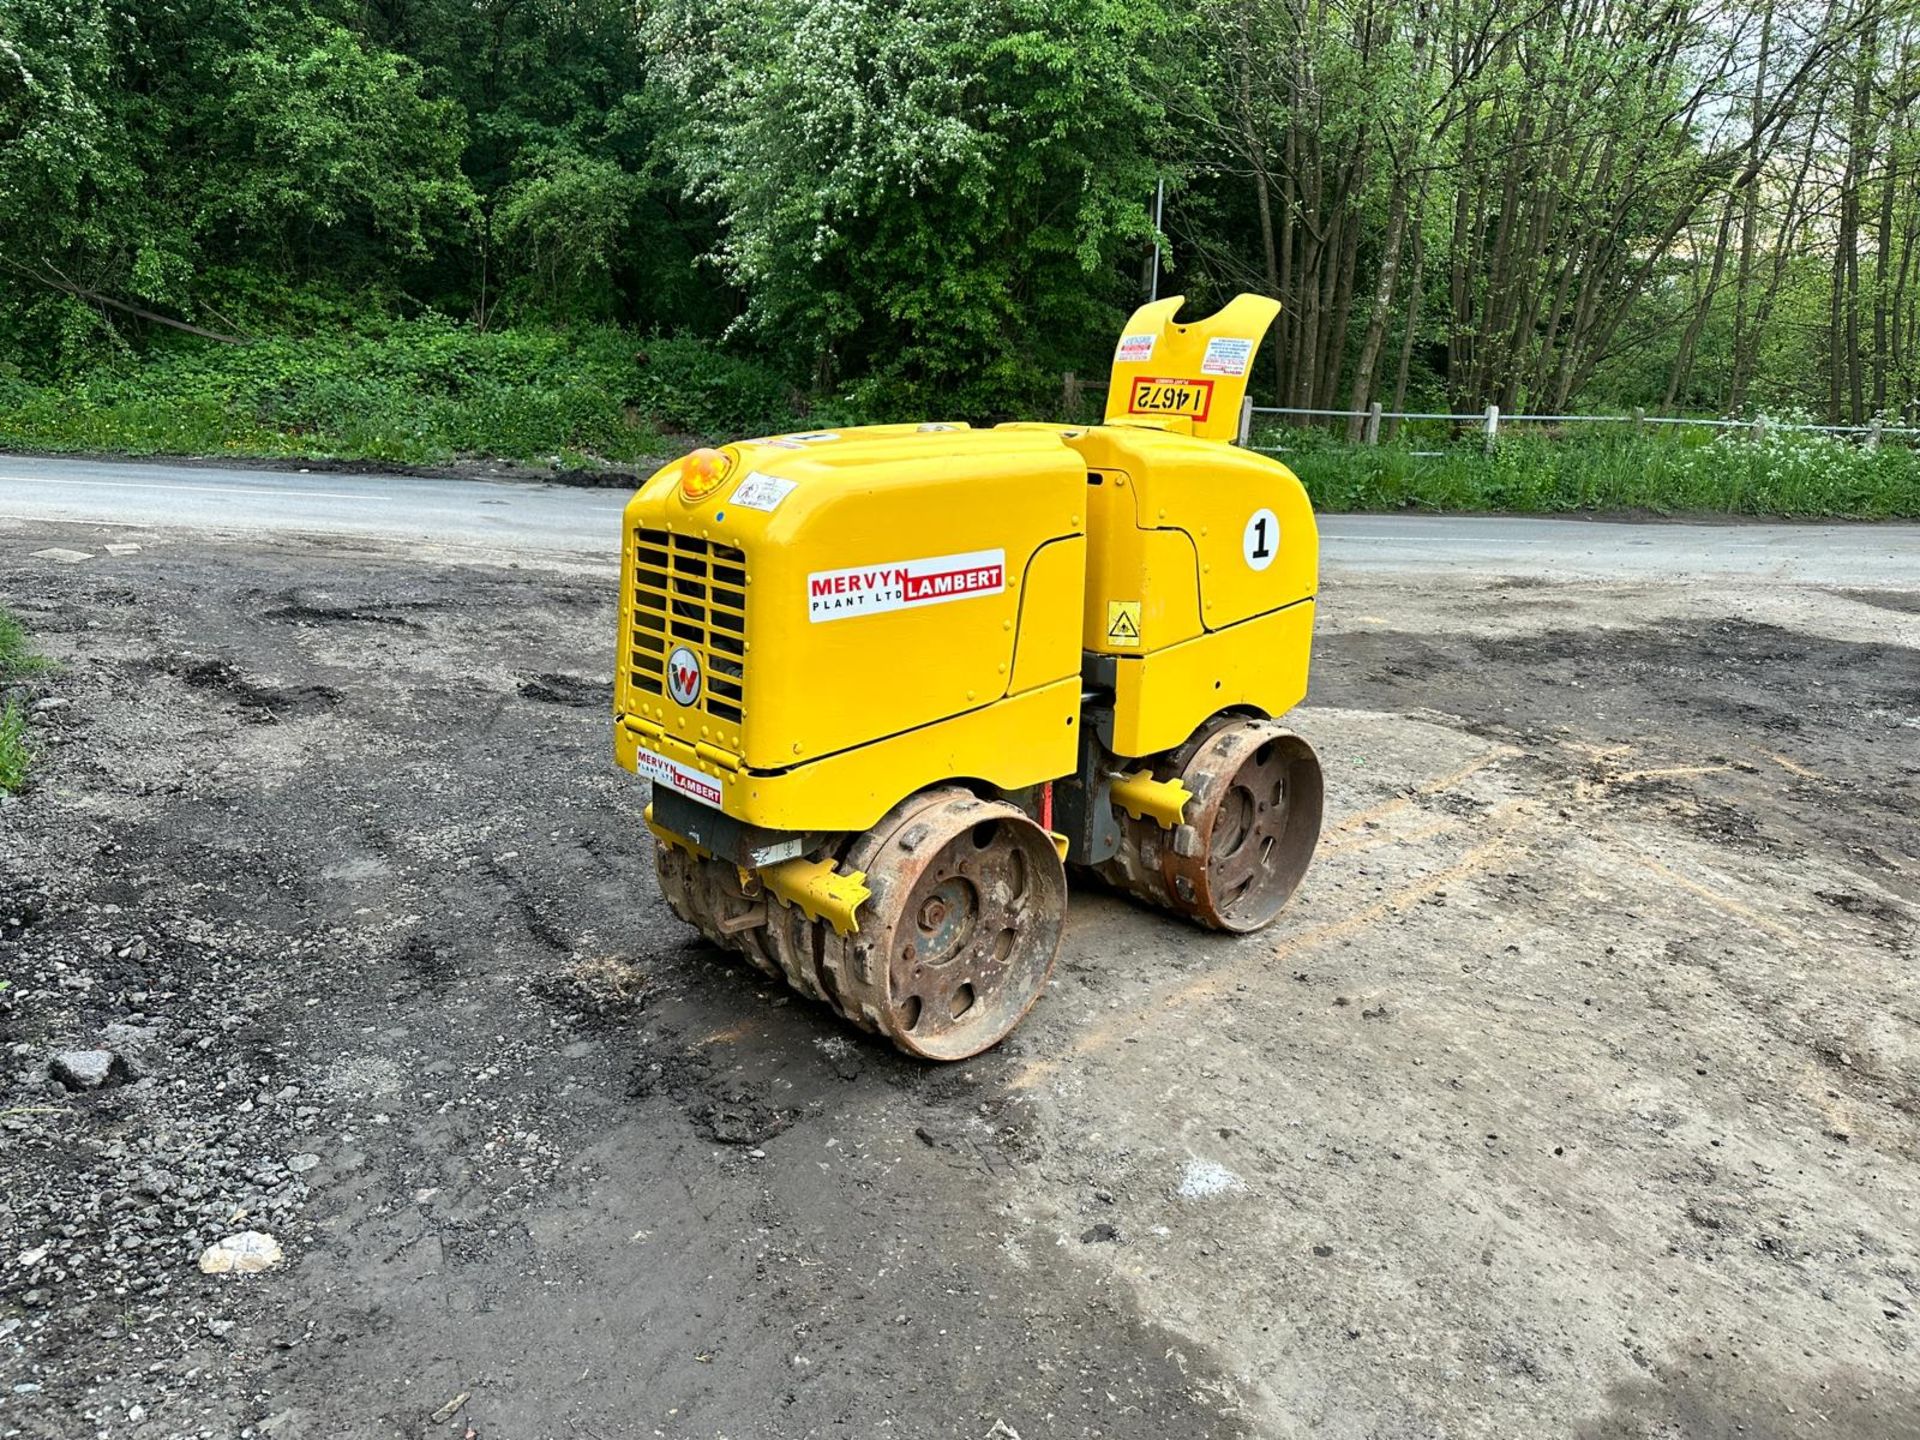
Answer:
(683, 676)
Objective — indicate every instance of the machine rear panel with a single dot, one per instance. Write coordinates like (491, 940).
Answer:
(692, 593)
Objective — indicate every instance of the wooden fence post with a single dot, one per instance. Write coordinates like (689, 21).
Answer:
(1873, 433)
(1372, 435)
(1246, 420)
(1759, 431)
(1493, 427)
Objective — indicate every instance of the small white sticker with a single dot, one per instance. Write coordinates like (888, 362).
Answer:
(762, 492)
(815, 437)
(1261, 542)
(1135, 348)
(682, 779)
(904, 584)
(1226, 356)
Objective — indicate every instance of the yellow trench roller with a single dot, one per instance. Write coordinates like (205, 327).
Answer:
(888, 682)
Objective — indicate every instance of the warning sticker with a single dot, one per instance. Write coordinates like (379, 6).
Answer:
(682, 779)
(904, 585)
(1226, 357)
(1155, 396)
(762, 492)
(816, 437)
(1123, 622)
(1135, 348)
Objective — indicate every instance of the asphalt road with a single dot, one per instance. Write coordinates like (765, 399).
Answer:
(496, 514)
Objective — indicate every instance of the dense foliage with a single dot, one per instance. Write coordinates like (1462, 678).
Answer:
(415, 227)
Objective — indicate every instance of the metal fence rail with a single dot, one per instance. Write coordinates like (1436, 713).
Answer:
(1489, 421)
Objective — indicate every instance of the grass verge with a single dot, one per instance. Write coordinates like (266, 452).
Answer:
(429, 391)
(16, 663)
(1787, 473)
(418, 392)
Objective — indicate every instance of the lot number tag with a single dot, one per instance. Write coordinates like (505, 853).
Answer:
(1261, 542)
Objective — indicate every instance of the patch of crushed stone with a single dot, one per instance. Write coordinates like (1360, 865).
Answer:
(577, 691)
(257, 702)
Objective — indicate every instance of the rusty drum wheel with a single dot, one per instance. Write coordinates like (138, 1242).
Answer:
(709, 896)
(1245, 838)
(1255, 815)
(958, 940)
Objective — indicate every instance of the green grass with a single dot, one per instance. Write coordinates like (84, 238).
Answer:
(1789, 473)
(417, 392)
(16, 663)
(14, 754)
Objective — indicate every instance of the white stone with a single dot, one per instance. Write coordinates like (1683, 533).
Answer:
(1203, 1178)
(83, 1069)
(65, 557)
(247, 1253)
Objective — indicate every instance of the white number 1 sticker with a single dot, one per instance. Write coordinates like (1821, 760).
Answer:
(1261, 542)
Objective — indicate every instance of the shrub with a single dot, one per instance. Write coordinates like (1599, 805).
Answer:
(413, 392)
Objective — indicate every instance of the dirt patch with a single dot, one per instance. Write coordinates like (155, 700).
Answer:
(337, 615)
(407, 1000)
(1573, 1095)
(578, 691)
(258, 703)
(597, 990)
(1901, 602)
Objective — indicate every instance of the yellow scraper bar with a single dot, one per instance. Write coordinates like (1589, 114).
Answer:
(1143, 797)
(820, 891)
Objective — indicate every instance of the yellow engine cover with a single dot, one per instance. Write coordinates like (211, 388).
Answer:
(840, 619)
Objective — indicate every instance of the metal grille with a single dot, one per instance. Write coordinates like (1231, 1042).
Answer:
(691, 592)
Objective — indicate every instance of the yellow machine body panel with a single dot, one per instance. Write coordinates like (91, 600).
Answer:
(1258, 665)
(1143, 584)
(1193, 549)
(1252, 544)
(1025, 739)
(832, 591)
(1189, 378)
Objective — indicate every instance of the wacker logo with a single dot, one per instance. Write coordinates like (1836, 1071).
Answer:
(683, 676)
(870, 589)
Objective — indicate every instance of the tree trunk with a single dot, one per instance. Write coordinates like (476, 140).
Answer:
(1383, 290)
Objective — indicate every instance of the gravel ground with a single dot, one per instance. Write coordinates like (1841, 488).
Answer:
(1576, 1095)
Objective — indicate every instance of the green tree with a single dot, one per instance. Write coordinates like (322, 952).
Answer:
(940, 189)
(317, 138)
